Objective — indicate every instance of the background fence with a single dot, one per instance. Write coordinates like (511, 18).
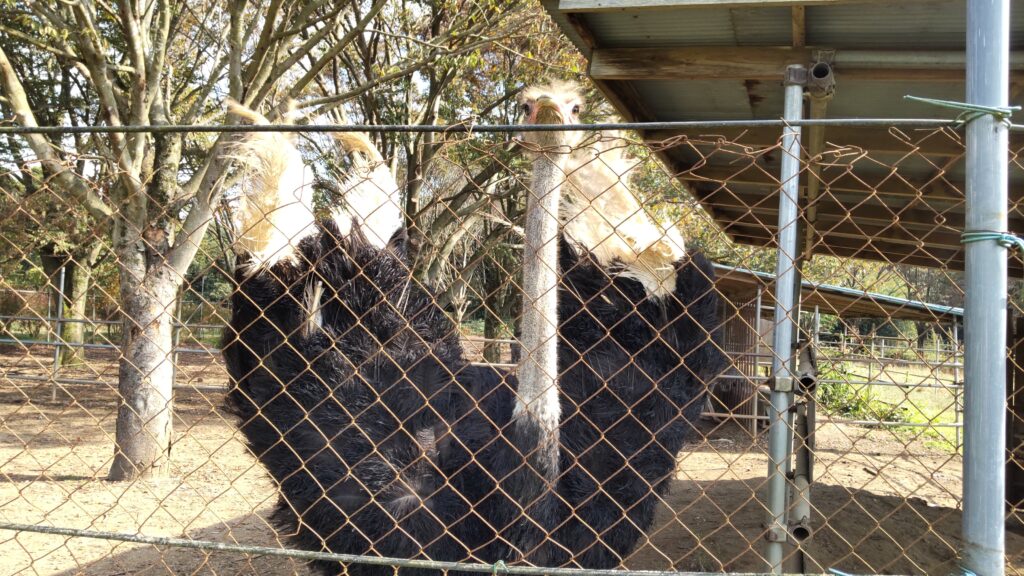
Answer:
(887, 447)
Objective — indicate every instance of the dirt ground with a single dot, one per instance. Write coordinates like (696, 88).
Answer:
(884, 502)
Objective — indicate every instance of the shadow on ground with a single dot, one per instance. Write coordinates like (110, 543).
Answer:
(704, 526)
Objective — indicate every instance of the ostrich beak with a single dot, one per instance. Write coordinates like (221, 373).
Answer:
(547, 111)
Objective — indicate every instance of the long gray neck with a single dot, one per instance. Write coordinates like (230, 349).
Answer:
(538, 369)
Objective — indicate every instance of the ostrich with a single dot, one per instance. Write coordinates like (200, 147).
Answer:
(352, 389)
(637, 339)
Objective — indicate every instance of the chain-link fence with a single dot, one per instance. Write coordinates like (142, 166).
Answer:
(382, 387)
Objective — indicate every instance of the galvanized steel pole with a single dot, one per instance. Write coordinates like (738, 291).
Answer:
(779, 432)
(988, 61)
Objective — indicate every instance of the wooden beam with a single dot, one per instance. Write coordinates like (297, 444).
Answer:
(863, 232)
(739, 63)
(840, 181)
(946, 260)
(827, 217)
(630, 5)
(872, 139)
(799, 17)
(769, 63)
(877, 252)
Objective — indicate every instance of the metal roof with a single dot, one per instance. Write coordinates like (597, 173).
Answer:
(837, 300)
(883, 193)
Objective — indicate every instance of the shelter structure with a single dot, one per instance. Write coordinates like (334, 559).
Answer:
(677, 60)
(748, 315)
(887, 191)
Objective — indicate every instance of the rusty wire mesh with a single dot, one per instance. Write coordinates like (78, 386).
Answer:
(881, 269)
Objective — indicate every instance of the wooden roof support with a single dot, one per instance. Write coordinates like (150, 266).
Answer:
(799, 16)
(928, 142)
(846, 181)
(769, 63)
(623, 5)
(891, 234)
(828, 220)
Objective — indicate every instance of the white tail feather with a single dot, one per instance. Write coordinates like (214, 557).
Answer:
(276, 205)
(603, 215)
(372, 196)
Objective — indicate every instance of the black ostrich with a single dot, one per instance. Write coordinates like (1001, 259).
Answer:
(353, 391)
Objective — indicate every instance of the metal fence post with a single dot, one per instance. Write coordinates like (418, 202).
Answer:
(779, 433)
(58, 339)
(757, 363)
(958, 389)
(988, 63)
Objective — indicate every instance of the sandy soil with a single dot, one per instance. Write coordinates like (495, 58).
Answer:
(883, 502)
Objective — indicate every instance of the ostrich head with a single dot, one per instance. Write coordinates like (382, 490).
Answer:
(598, 210)
(554, 103)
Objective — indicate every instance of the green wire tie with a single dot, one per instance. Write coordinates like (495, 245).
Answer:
(969, 112)
(499, 565)
(1004, 239)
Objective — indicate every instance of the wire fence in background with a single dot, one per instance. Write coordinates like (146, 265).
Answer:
(886, 332)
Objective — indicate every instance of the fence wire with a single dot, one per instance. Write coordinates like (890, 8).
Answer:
(335, 370)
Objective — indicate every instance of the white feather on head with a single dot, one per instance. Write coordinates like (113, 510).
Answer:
(372, 196)
(276, 201)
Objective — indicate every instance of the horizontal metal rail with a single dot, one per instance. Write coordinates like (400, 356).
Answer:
(111, 383)
(894, 424)
(498, 568)
(830, 420)
(895, 361)
(90, 346)
(468, 128)
(48, 319)
(61, 320)
(957, 386)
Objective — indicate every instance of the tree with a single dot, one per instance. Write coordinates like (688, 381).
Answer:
(154, 195)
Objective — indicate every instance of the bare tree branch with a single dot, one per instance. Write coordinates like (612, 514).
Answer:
(336, 49)
(15, 93)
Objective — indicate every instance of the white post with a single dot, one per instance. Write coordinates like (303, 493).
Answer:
(779, 432)
(988, 64)
(58, 338)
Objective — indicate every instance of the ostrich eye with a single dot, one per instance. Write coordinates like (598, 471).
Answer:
(526, 108)
(576, 109)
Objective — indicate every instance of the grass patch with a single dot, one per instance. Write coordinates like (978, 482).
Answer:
(921, 396)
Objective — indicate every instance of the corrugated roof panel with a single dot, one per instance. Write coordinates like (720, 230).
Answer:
(880, 25)
(671, 100)
(698, 27)
(885, 98)
(723, 99)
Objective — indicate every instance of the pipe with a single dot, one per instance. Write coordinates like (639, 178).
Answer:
(785, 306)
(911, 59)
(821, 81)
(800, 513)
(821, 85)
(803, 472)
(988, 63)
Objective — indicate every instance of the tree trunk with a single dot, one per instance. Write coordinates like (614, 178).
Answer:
(77, 273)
(76, 291)
(145, 377)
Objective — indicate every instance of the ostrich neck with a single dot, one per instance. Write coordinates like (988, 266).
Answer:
(538, 369)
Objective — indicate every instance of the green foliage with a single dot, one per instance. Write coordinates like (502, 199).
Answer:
(839, 397)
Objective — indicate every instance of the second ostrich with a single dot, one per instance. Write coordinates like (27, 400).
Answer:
(353, 391)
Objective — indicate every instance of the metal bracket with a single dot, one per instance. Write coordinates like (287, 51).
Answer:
(782, 383)
(806, 365)
(776, 534)
(795, 75)
(825, 55)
